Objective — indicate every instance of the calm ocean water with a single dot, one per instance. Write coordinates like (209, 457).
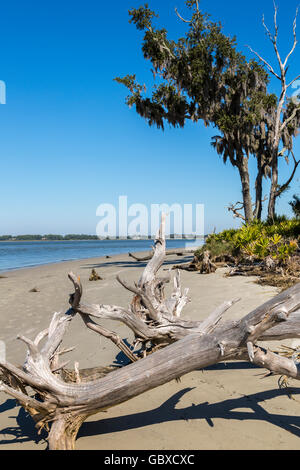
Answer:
(15, 255)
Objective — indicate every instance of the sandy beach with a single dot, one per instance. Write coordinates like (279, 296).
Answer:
(227, 406)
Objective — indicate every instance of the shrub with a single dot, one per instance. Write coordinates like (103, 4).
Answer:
(257, 240)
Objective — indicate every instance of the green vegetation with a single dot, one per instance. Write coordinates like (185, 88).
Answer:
(53, 237)
(80, 237)
(4, 238)
(28, 237)
(256, 241)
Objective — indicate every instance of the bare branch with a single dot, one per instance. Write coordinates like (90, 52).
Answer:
(158, 256)
(295, 39)
(284, 186)
(110, 335)
(290, 118)
(265, 62)
(271, 37)
(174, 251)
(233, 208)
(275, 20)
(211, 322)
(147, 302)
(278, 365)
(75, 298)
(293, 81)
(180, 17)
(32, 348)
(177, 300)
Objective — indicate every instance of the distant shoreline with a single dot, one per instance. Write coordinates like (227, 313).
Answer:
(29, 254)
(67, 261)
(98, 239)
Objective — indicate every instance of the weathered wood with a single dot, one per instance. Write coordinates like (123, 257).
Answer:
(95, 276)
(207, 266)
(156, 322)
(64, 431)
(174, 251)
(203, 264)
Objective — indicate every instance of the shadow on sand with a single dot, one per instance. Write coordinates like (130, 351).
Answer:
(136, 264)
(225, 410)
(25, 430)
(167, 412)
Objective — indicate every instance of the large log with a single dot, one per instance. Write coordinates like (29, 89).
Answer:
(173, 251)
(43, 388)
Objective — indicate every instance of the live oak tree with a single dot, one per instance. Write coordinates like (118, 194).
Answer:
(202, 77)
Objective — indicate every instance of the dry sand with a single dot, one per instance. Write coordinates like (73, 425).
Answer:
(228, 406)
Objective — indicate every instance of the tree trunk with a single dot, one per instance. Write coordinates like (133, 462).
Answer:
(258, 189)
(178, 252)
(274, 186)
(64, 431)
(245, 180)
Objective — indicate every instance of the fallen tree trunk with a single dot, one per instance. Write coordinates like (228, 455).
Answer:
(174, 251)
(207, 266)
(201, 263)
(156, 323)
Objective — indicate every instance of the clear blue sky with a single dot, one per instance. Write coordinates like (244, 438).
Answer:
(68, 141)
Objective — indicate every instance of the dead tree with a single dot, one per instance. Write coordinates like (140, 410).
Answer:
(283, 123)
(64, 400)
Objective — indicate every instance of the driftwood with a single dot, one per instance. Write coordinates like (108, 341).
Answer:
(64, 399)
(95, 276)
(207, 266)
(203, 263)
(268, 265)
(191, 266)
(174, 251)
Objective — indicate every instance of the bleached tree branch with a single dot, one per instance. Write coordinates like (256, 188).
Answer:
(293, 81)
(290, 118)
(265, 62)
(284, 186)
(295, 38)
(181, 18)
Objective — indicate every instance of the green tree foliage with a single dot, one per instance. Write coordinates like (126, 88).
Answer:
(52, 237)
(80, 237)
(28, 237)
(49, 237)
(295, 204)
(202, 77)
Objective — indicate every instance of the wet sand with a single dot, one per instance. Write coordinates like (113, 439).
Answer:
(227, 406)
